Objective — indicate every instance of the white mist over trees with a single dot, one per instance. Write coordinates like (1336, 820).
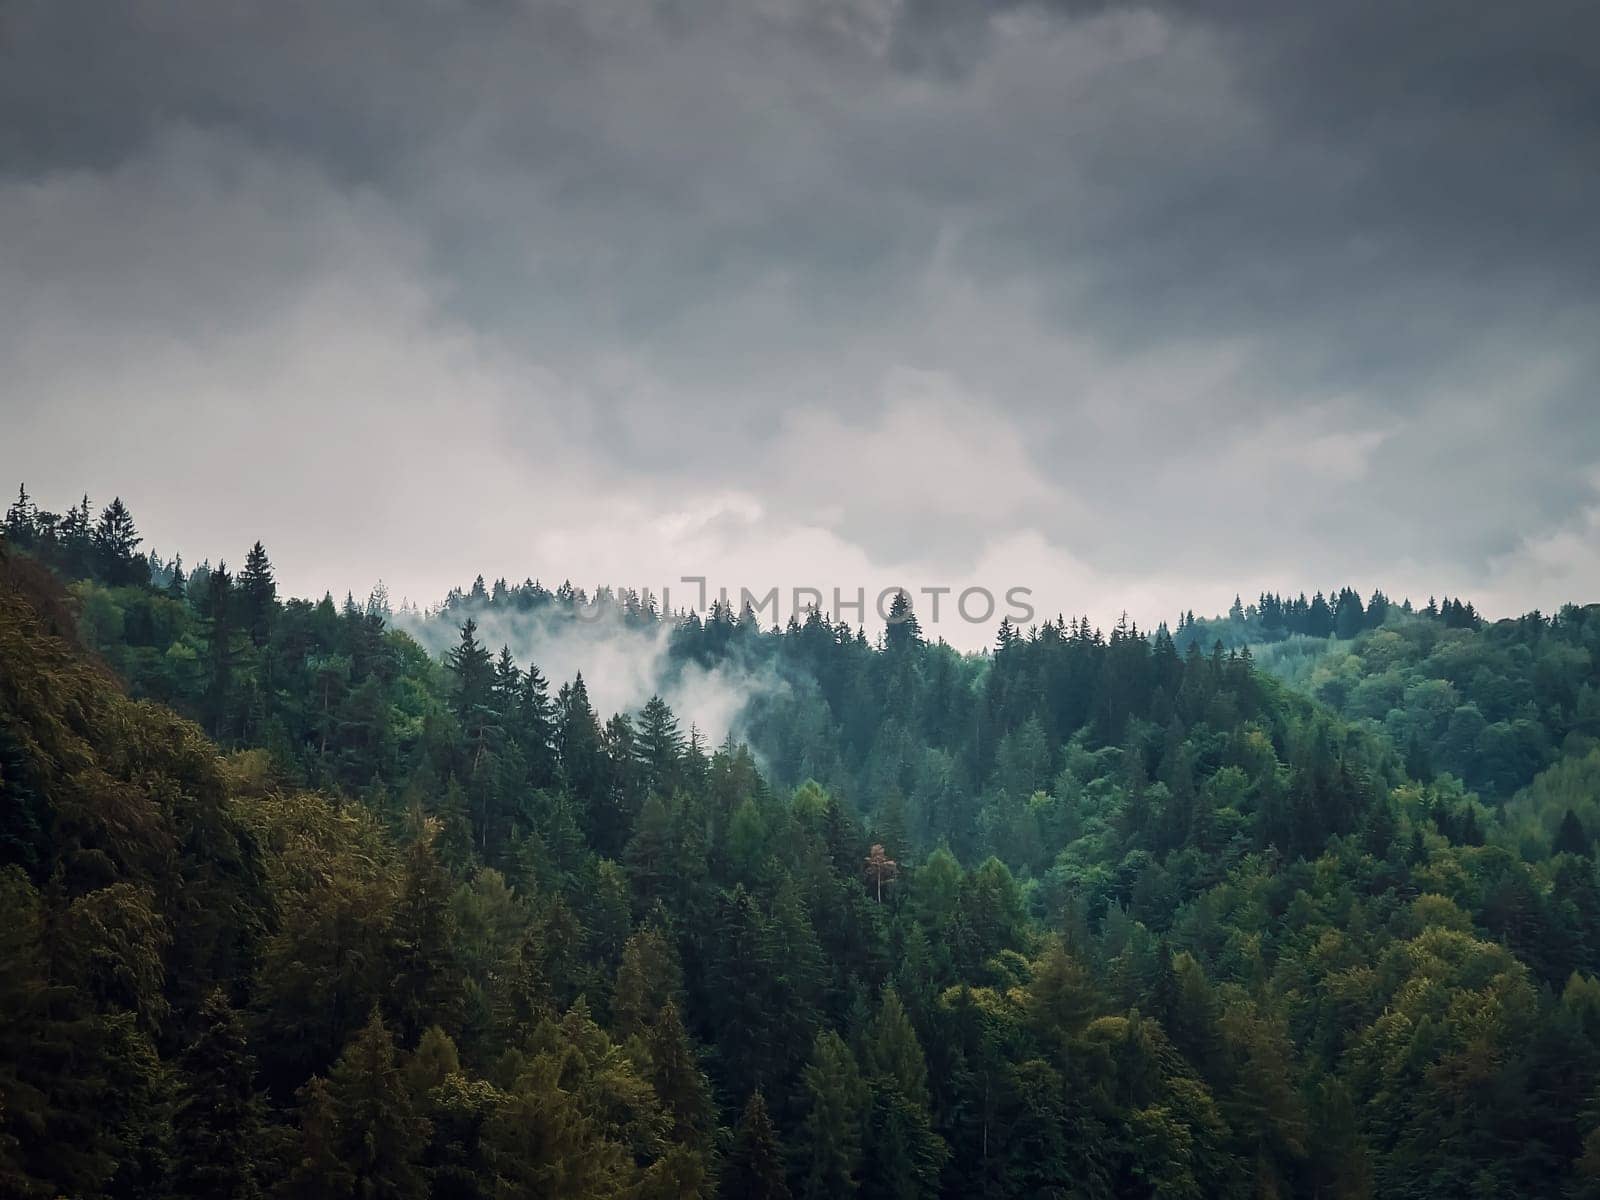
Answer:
(624, 659)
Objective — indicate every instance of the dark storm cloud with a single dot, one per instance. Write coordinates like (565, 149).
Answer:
(1251, 289)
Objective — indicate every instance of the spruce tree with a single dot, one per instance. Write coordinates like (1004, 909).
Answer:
(836, 1110)
(648, 979)
(317, 1169)
(424, 972)
(472, 671)
(659, 746)
(20, 518)
(578, 751)
(902, 631)
(533, 727)
(76, 539)
(893, 1052)
(1319, 617)
(114, 543)
(1571, 837)
(754, 1169)
(674, 1072)
(258, 595)
(905, 1155)
(217, 1127)
(219, 618)
(177, 581)
(379, 1136)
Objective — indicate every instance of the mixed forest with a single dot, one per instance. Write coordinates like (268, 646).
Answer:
(1299, 900)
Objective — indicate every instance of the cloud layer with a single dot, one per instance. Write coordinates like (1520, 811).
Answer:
(1134, 306)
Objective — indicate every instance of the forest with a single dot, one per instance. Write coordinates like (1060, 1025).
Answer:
(1299, 900)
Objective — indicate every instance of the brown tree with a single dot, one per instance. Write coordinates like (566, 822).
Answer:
(881, 868)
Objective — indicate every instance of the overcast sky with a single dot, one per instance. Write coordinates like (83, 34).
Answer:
(1133, 306)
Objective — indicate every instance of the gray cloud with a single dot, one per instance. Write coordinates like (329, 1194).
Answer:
(1183, 298)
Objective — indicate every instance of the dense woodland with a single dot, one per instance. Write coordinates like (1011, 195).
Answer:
(1297, 901)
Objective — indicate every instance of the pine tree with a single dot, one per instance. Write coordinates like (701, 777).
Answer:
(318, 1170)
(674, 1072)
(177, 581)
(258, 595)
(218, 1124)
(578, 750)
(424, 972)
(905, 1156)
(472, 671)
(219, 617)
(1319, 617)
(20, 518)
(902, 632)
(533, 728)
(836, 1110)
(378, 1136)
(754, 1170)
(893, 1052)
(115, 541)
(1571, 837)
(659, 746)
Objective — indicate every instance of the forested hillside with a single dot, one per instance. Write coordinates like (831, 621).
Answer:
(297, 909)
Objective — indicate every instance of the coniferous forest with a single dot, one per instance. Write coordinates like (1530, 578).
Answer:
(1299, 900)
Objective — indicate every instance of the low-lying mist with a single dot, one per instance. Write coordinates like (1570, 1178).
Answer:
(623, 660)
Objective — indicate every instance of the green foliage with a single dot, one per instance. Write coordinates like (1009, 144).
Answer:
(219, 1120)
(836, 1106)
(1143, 920)
(754, 1169)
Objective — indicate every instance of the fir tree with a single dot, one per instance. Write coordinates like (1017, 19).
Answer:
(893, 1052)
(674, 1072)
(378, 1135)
(754, 1169)
(902, 631)
(836, 1110)
(317, 1170)
(1571, 837)
(258, 595)
(20, 518)
(218, 1123)
(659, 746)
(578, 751)
(424, 973)
(115, 541)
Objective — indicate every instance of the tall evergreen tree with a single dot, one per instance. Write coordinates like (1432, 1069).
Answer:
(219, 1121)
(754, 1169)
(472, 672)
(893, 1052)
(20, 518)
(901, 631)
(659, 746)
(836, 1111)
(317, 1169)
(115, 543)
(424, 968)
(220, 624)
(578, 750)
(258, 595)
(674, 1072)
(1571, 837)
(378, 1136)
